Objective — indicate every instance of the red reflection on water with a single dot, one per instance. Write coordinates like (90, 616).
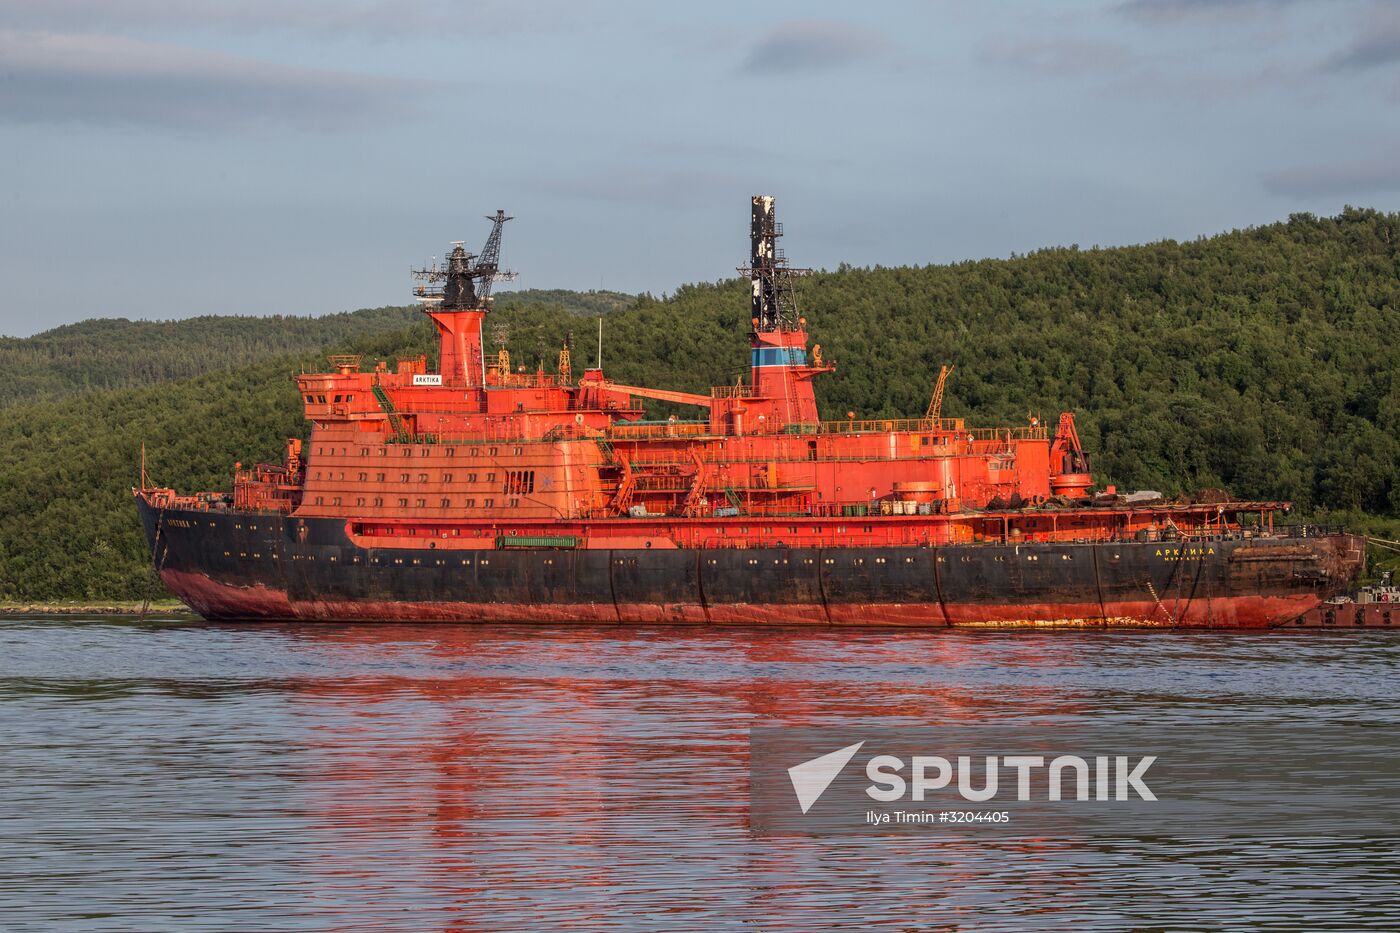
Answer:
(566, 768)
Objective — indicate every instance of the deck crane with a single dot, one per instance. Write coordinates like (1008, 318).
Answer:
(935, 405)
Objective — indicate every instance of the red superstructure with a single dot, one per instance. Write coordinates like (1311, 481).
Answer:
(476, 457)
(477, 441)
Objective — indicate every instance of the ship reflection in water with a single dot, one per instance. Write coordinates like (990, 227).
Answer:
(496, 778)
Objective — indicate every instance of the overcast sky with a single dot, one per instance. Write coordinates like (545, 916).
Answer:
(161, 158)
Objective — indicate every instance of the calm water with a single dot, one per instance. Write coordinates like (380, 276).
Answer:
(176, 775)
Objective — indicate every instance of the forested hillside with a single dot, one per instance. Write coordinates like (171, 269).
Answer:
(1263, 361)
(117, 353)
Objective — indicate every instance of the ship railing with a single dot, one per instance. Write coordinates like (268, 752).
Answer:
(523, 380)
(955, 426)
(731, 392)
(1307, 531)
(653, 429)
(409, 407)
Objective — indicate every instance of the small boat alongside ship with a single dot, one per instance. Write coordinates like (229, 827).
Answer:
(1373, 606)
(476, 492)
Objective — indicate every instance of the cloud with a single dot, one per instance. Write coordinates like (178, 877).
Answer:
(1063, 55)
(1337, 179)
(105, 80)
(1177, 9)
(1376, 44)
(374, 18)
(814, 45)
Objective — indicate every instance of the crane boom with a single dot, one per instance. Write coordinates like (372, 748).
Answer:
(935, 405)
(487, 268)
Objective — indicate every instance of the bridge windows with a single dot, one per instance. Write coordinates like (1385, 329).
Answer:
(379, 477)
(447, 477)
(378, 501)
(780, 356)
(421, 503)
(422, 477)
(363, 477)
(446, 502)
(519, 481)
(403, 503)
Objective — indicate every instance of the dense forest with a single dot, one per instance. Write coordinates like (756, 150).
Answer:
(114, 353)
(1262, 361)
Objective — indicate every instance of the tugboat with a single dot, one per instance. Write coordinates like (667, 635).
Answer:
(1373, 606)
(473, 492)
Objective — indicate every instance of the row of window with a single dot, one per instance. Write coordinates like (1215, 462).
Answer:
(416, 561)
(405, 451)
(321, 399)
(857, 561)
(442, 478)
(422, 503)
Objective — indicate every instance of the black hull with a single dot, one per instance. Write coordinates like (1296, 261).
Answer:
(252, 566)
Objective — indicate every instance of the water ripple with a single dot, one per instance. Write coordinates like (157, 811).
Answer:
(163, 775)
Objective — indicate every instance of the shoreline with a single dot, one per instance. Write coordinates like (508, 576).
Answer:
(163, 607)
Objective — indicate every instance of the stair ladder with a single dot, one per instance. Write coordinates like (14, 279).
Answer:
(395, 421)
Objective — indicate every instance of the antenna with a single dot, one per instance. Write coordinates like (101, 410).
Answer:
(463, 282)
(501, 334)
(774, 302)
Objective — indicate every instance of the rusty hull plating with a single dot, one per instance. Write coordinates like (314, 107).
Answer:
(475, 493)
